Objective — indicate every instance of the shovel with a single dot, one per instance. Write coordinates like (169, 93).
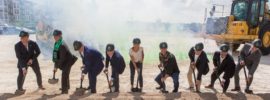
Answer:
(53, 80)
(218, 75)
(19, 92)
(107, 76)
(248, 83)
(80, 91)
(163, 83)
(194, 76)
(137, 89)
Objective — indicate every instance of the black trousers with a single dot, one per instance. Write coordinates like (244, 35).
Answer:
(92, 80)
(65, 77)
(115, 77)
(132, 73)
(21, 77)
(116, 83)
(214, 77)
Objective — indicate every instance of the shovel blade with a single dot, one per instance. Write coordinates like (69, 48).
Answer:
(53, 81)
(136, 90)
(80, 91)
(18, 92)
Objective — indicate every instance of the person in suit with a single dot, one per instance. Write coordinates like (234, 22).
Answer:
(92, 63)
(250, 56)
(63, 59)
(169, 64)
(223, 62)
(198, 60)
(27, 52)
(117, 62)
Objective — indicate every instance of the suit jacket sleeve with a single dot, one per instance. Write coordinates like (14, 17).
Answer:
(37, 51)
(62, 56)
(87, 62)
(21, 61)
(107, 61)
(215, 59)
(243, 52)
(203, 63)
(229, 69)
(191, 55)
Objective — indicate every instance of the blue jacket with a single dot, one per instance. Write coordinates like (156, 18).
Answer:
(93, 61)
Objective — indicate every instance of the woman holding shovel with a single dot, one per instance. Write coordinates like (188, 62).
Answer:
(136, 64)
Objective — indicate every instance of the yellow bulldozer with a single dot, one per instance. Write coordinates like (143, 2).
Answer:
(248, 20)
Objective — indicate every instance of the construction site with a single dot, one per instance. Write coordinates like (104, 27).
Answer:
(181, 24)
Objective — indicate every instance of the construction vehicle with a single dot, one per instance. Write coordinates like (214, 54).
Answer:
(248, 20)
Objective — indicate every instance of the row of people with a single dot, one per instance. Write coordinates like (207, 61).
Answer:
(27, 52)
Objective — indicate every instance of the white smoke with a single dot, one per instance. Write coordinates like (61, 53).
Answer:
(98, 22)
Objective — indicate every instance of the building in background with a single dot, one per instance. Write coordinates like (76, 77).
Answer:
(4, 12)
(26, 14)
(16, 13)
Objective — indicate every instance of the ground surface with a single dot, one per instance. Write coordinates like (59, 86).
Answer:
(9, 71)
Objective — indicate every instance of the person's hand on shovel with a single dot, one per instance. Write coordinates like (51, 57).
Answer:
(249, 78)
(222, 83)
(82, 77)
(55, 70)
(111, 82)
(165, 77)
(24, 71)
(82, 68)
(160, 65)
(30, 62)
(192, 65)
(242, 63)
(106, 71)
(215, 68)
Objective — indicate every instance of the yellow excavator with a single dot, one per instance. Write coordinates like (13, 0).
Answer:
(248, 20)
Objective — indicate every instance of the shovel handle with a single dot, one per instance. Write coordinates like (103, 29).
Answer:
(163, 83)
(108, 80)
(54, 74)
(245, 72)
(81, 83)
(193, 71)
(217, 69)
(138, 75)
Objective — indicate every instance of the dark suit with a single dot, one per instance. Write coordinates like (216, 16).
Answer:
(64, 62)
(116, 62)
(201, 64)
(251, 60)
(227, 66)
(93, 61)
(24, 55)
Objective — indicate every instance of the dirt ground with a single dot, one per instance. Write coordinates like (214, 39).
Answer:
(9, 71)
